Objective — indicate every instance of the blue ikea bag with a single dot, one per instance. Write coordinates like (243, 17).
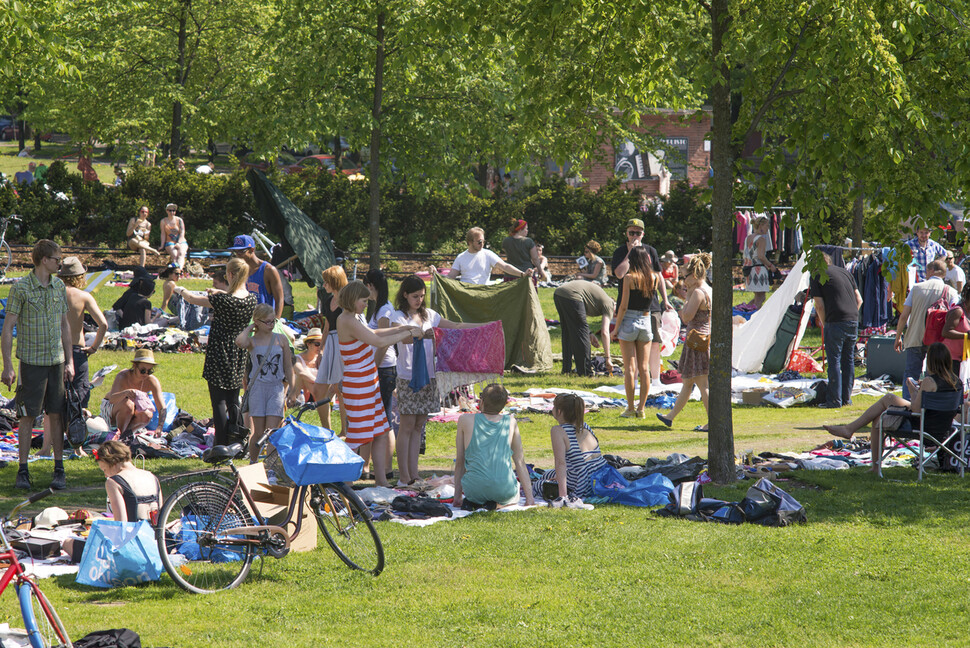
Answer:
(119, 553)
(651, 490)
(315, 455)
(185, 542)
(171, 411)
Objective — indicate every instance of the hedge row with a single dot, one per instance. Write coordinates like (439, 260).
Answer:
(562, 217)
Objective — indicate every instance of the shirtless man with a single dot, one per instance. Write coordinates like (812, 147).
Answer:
(78, 303)
(264, 278)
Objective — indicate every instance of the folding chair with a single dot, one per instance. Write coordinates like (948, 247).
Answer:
(936, 433)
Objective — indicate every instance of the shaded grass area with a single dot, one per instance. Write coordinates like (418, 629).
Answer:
(555, 578)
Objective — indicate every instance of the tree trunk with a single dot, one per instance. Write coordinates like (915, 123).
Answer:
(720, 439)
(37, 140)
(374, 206)
(858, 212)
(175, 141)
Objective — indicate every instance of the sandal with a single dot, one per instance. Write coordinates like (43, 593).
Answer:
(663, 419)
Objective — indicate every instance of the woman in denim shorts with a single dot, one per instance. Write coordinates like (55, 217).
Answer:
(634, 329)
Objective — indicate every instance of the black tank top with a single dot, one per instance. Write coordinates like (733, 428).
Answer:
(133, 501)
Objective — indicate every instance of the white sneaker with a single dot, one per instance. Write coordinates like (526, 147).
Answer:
(577, 503)
(559, 502)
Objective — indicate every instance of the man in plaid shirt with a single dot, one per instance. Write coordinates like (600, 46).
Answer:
(924, 250)
(37, 306)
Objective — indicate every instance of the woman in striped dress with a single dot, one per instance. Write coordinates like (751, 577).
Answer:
(366, 418)
(576, 452)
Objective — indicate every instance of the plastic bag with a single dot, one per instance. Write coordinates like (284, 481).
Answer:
(651, 490)
(669, 332)
(803, 363)
(119, 553)
(315, 455)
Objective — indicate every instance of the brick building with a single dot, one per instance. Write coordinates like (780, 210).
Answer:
(685, 148)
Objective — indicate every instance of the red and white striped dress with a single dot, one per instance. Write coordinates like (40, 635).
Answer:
(366, 418)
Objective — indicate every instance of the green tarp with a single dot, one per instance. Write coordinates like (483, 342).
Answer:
(308, 240)
(515, 303)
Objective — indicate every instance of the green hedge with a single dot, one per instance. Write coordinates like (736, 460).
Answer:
(562, 217)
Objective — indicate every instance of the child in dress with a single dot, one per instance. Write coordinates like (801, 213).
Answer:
(271, 383)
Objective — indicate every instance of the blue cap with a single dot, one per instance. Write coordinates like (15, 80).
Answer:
(242, 242)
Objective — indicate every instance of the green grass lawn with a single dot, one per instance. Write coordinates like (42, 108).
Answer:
(874, 551)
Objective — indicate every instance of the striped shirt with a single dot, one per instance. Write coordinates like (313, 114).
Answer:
(580, 466)
(361, 393)
(39, 310)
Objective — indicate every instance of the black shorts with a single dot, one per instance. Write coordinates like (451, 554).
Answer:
(40, 389)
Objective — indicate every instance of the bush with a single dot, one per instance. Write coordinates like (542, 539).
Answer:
(562, 217)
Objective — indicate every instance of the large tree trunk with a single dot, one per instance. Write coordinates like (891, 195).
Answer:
(720, 439)
(374, 206)
(175, 141)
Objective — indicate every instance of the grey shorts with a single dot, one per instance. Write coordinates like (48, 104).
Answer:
(637, 326)
(40, 389)
(267, 399)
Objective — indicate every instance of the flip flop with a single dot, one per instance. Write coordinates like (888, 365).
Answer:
(663, 419)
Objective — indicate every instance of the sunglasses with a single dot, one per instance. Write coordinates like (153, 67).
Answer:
(58, 259)
(146, 371)
(171, 211)
(315, 343)
(634, 233)
(268, 322)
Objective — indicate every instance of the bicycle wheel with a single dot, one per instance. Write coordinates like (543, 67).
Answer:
(195, 550)
(44, 628)
(346, 524)
(6, 256)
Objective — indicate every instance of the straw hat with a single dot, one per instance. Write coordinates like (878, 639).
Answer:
(669, 257)
(144, 356)
(313, 334)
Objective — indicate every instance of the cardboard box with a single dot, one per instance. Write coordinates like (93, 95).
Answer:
(273, 503)
(753, 396)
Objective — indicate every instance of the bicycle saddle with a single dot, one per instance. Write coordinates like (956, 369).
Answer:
(220, 453)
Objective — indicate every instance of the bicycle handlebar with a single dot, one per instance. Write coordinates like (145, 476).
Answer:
(36, 497)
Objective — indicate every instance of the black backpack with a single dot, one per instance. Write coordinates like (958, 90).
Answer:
(120, 638)
(74, 423)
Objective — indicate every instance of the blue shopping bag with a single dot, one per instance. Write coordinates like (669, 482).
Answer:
(119, 553)
(315, 455)
(651, 490)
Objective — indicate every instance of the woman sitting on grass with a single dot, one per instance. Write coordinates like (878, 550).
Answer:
(939, 378)
(577, 455)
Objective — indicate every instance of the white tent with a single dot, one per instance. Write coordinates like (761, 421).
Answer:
(754, 338)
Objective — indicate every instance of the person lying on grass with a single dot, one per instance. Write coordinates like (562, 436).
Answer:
(939, 378)
(487, 447)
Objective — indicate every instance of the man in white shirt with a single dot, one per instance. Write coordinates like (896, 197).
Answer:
(475, 264)
(955, 276)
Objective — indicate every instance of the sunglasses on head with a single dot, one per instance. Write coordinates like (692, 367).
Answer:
(146, 371)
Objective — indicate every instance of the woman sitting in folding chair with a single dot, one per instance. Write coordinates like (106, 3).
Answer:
(939, 378)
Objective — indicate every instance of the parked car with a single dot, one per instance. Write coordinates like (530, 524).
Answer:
(8, 129)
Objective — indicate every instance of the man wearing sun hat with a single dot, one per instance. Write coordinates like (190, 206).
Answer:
(264, 279)
(37, 306)
(80, 302)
